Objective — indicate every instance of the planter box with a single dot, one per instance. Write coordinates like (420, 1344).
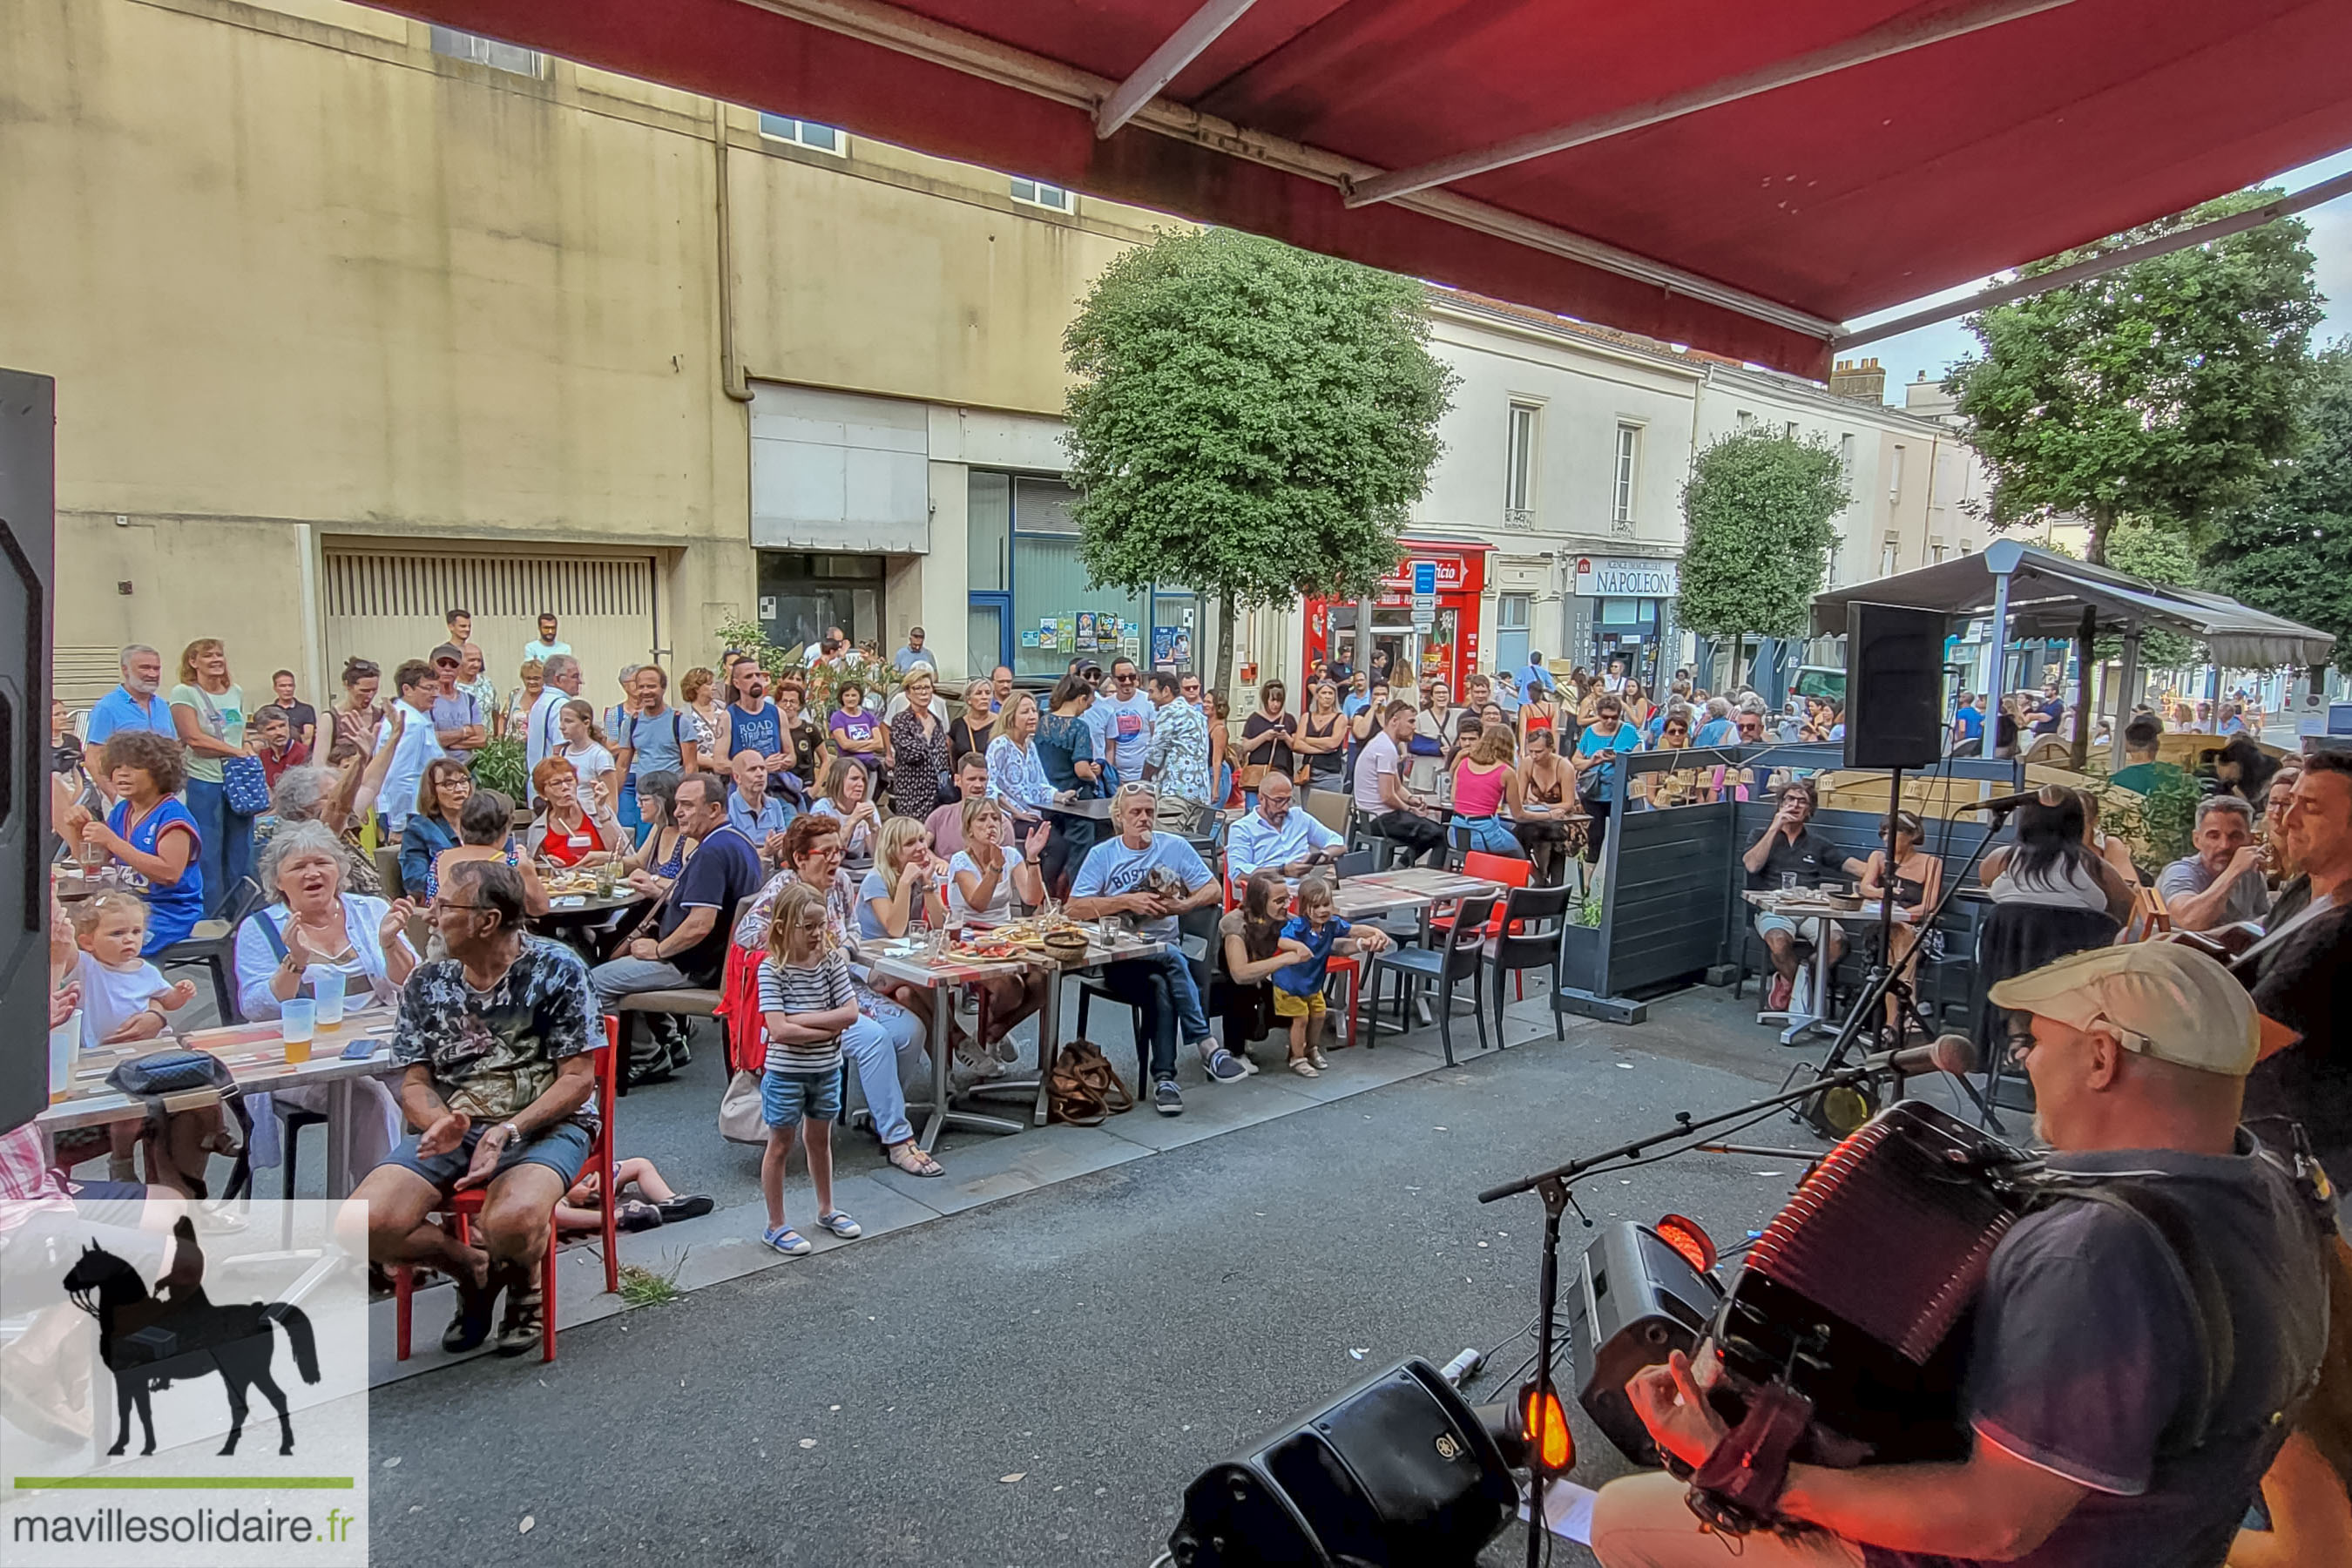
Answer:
(1579, 958)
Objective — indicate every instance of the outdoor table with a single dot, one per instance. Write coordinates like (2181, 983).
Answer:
(910, 963)
(1417, 888)
(570, 918)
(256, 1057)
(1804, 1013)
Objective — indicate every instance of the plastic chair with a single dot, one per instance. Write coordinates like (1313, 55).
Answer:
(463, 1208)
(1509, 870)
(1460, 955)
(1526, 934)
(212, 945)
(1193, 925)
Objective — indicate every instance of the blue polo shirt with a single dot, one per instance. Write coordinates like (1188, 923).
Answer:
(118, 709)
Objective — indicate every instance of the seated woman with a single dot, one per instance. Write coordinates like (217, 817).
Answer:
(310, 935)
(656, 1203)
(906, 885)
(2107, 847)
(1917, 880)
(1546, 827)
(983, 879)
(486, 832)
(150, 832)
(441, 796)
(565, 832)
(858, 732)
(1252, 946)
(2050, 896)
(652, 867)
(848, 799)
(1486, 788)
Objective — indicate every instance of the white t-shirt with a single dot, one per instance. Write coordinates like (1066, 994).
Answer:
(418, 747)
(1124, 726)
(1379, 756)
(591, 765)
(112, 997)
(999, 908)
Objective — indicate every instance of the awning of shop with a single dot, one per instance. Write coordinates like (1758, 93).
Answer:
(1736, 177)
(2048, 592)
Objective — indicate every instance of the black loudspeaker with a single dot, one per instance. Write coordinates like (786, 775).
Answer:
(1637, 1301)
(1397, 1470)
(27, 521)
(1893, 686)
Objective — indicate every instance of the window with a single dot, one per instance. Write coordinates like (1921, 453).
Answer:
(1629, 452)
(1791, 430)
(803, 134)
(1895, 477)
(1936, 553)
(1745, 421)
(1519, 466)
(1886, 557)
(1039, 194)
(1846, 454)
(1968, 547)
(456, 46)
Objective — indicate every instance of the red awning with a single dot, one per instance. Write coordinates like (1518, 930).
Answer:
(1915, 155)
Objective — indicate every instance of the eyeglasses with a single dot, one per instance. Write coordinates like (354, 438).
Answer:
(468, 909)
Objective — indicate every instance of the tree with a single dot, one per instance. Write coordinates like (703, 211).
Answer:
(2289, 549)
(1757, 537)
(2162, 390)
(2160, 555)
(1249, 420)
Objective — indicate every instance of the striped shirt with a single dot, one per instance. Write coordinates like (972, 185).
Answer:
(813, 988)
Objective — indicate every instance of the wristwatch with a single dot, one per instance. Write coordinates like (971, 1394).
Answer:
(514, 1133)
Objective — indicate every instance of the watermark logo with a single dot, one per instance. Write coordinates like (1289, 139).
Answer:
(179, 1387)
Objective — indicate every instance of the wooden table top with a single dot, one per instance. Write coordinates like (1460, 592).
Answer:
(255, 1055)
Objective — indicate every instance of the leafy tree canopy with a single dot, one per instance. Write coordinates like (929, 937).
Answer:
(2161, 390)
(1757, 515)
(2288, 549)
(1248, 419)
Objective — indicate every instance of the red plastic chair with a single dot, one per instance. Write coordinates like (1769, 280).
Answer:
(465, 1207)
(1506, 870)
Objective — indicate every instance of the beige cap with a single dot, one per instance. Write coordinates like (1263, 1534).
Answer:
(2160, 998)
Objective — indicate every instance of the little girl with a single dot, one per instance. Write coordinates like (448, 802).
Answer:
(124, 999)
(805, 997)
(1299, 987)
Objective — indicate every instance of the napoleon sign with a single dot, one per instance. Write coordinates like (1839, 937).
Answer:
(1627, 577)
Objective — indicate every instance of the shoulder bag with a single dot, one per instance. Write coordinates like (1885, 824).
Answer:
(245, 782)
(1085, 1090)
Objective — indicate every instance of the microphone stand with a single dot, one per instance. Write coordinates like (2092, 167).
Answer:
(1552, 1186)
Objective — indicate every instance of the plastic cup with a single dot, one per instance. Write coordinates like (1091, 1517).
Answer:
(62, 1041)
(327, 986)
(295, 1022)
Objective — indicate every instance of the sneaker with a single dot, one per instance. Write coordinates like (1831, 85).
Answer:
(1248, 1066)
(470, 1325)
(1303, 1068)
(1167, 1098)
(841, 1225)
(787, 1241)
(522, 1328)
(1315, 1054)
(1776, 995)
(1224, 1067)
(977, 1064)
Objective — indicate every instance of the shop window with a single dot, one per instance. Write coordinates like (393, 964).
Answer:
(1621, 612)
(989, 528)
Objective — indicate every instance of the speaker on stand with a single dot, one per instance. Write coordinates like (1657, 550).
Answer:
(27, 521)
(1893, 686)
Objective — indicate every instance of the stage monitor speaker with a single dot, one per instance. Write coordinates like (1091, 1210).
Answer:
(1397, 1470)
(27, 502)
(1637, 1301)
(1893, 686)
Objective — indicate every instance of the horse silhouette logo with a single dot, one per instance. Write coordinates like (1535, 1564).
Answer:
(150, 1341)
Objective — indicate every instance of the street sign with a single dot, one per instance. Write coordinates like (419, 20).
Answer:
(1424, 581)
(1424, 612)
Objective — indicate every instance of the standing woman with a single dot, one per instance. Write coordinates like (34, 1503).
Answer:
(358, 714)
(697, 691)
(1638, 706)
(521, 698)
(973, 730)
(441, 796)
(922, 753)
(1323, 740)
(1917, 880)
(1266, 735)
(1221, 745)
(584, 747)
(151, 832)
(1016, 777)
(856, 732)
(1595, 762)
(1435, 728)
(209, 709)
(1539, 710)
(1066, 750)
(803, 742)
(1486, 788)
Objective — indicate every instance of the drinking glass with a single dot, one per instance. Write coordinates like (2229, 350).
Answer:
(327, 985)
(1787, 881)
(296, 1021)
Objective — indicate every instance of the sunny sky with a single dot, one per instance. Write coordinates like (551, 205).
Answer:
(1931, 349)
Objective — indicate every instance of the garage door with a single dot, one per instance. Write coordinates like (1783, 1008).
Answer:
(387, 605)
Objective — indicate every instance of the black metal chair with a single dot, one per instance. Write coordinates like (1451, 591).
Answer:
(1533, 918)
(212, 947)
(1460, 955)
(1194, 929)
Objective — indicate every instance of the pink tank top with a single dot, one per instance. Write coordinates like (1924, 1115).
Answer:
(1476, 794)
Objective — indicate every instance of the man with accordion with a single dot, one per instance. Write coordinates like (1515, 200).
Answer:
(2150, 1322)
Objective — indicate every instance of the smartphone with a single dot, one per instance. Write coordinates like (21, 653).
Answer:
(360, 1050)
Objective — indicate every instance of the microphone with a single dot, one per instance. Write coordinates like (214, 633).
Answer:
(2003, 801)
(1954, 1053)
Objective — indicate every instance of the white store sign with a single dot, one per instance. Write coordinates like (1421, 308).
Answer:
(1627, 577)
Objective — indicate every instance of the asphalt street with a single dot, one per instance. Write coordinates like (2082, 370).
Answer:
(1034, 1382)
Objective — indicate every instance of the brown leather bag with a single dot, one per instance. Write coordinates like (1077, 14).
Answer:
(1085, 1090)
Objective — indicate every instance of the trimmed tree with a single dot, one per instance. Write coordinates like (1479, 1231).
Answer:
(1249, 420)
(2289, 551)
(2161, 390)
(1757, 537)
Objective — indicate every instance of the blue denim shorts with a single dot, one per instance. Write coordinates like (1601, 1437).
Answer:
(786, 1097)
(562, 1148)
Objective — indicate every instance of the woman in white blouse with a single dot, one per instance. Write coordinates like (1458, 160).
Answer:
(312, 935)
(1016, 779)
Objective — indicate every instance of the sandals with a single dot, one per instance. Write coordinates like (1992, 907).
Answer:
(908, 1156)
(787, 1241)
(841, 1225)
(1303, 1068)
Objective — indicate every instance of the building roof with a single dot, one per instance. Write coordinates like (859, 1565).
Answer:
(1738, 177)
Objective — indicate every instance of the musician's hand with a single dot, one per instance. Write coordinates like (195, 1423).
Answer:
(1672, 1406)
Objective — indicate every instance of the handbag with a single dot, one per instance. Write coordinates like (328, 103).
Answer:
(158, 1074)
(740, 1120)
(1250, 777)
(245, 782)
(1084, 1090)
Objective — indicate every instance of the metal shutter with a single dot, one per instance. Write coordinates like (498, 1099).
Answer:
(387, 605)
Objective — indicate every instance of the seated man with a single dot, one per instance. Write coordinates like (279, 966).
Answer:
(688, 950)
(1789, 849)
(1382, 802)
(2112, 1418)
(1154, 876)
(945, 824)
(751, 811)
(2221, 883)
(496, 1039)
(1277, 837)
(2141, 771)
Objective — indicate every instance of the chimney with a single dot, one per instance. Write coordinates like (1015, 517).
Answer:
(1859, 379)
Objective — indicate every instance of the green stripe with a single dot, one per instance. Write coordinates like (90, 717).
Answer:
(184, 1483)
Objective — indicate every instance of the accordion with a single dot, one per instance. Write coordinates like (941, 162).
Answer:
(1855, 1292)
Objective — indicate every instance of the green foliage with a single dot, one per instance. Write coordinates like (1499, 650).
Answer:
(744, 635)
(2160, 390)
(1757, 513)
(644, 1287)
(2289, 549)
(2169, 816)
(2160, 555)
(1249, 420)
(503, 765)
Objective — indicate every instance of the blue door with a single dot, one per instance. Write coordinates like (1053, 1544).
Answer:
(988, 640)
